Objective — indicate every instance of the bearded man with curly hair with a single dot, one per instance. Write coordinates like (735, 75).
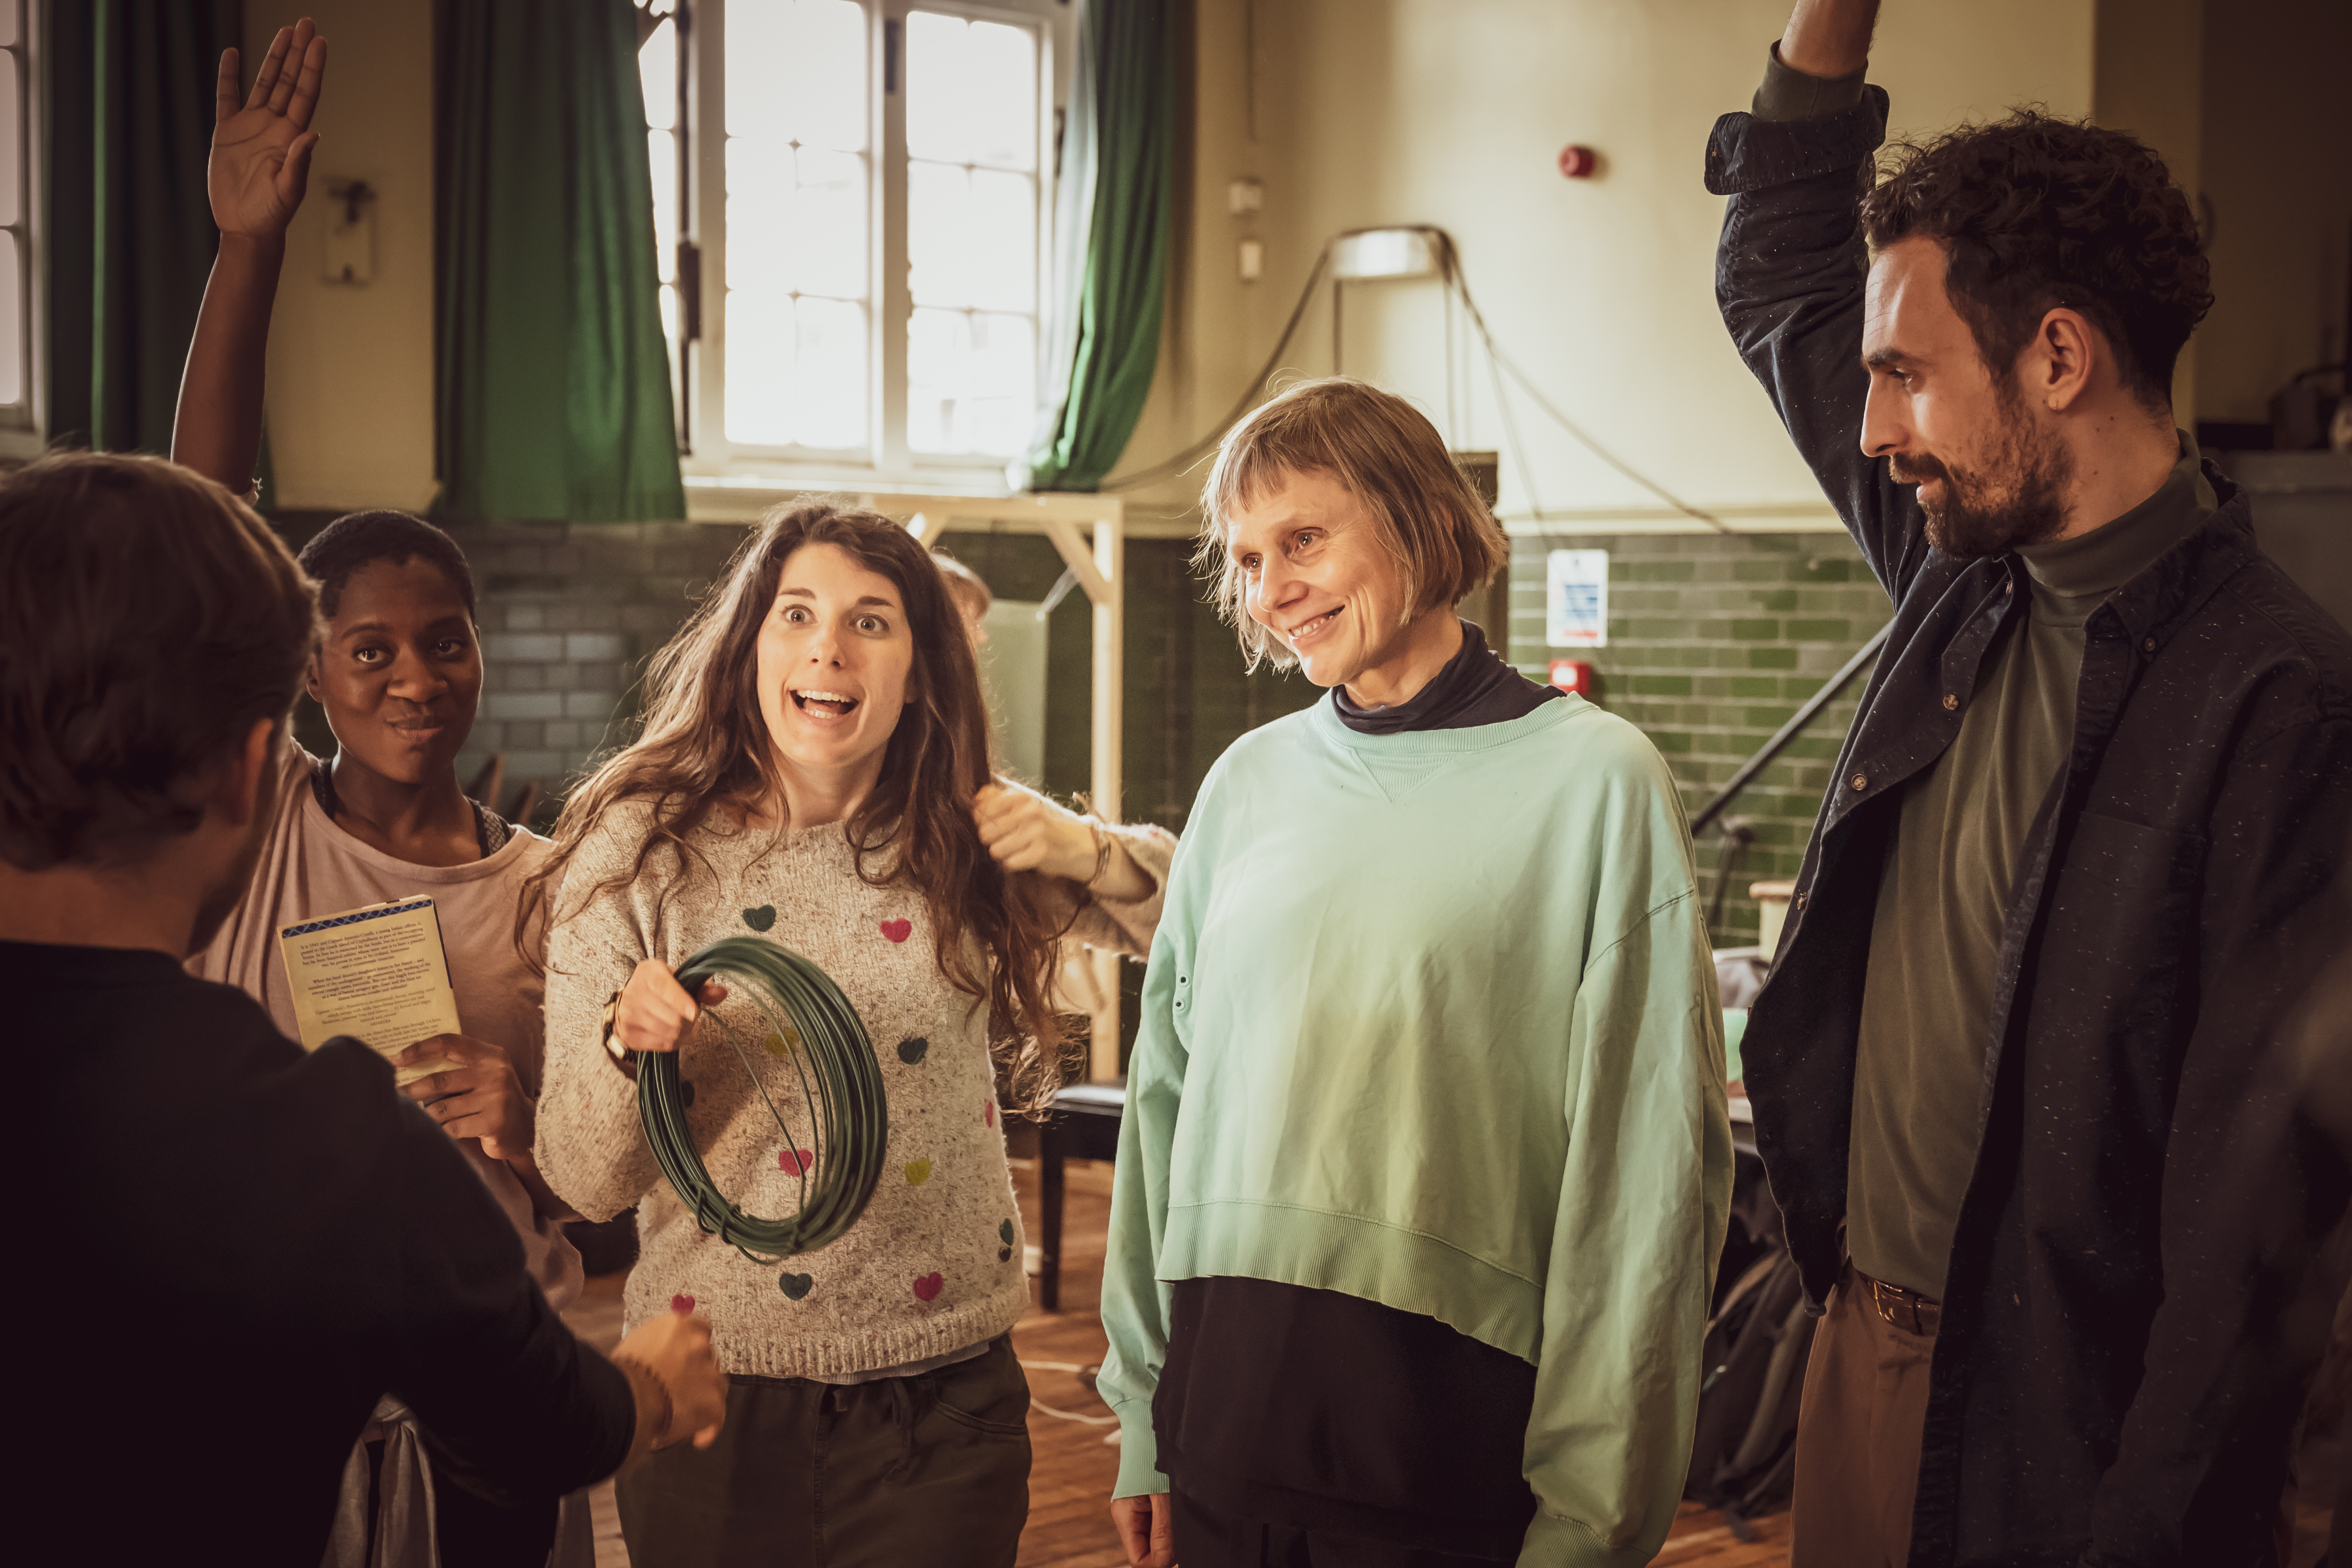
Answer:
(2017, 1076)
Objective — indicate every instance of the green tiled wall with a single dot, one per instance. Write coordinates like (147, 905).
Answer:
(1714, 642)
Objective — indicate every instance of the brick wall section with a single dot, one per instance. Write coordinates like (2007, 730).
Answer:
(570, 612)
(1714, 642)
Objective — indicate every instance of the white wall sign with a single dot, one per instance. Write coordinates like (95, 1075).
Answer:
(1576, 598)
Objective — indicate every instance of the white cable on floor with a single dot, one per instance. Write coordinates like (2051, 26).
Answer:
(1044, 1408)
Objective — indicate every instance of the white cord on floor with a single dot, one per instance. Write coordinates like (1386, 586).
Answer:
(1044, 1408)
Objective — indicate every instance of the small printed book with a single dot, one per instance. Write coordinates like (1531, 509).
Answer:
(378, 974)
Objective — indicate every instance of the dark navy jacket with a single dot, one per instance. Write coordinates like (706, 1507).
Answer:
(2115, 1377)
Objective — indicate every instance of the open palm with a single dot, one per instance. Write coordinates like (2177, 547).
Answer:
(261, 146)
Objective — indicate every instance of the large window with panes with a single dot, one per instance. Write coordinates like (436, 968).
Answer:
(854, 200)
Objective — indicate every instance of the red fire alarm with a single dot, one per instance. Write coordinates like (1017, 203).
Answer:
(1573, 675)
(1579, 163)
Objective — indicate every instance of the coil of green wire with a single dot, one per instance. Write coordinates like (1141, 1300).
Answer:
(841, 1083)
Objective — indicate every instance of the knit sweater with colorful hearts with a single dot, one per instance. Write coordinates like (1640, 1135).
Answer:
(934, 1265)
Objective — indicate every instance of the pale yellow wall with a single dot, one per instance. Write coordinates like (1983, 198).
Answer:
(351, 368)
(1366, 111)
(1453, 111)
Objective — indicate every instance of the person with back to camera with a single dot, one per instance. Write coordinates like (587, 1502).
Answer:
(814, 768)
(242, 1247)
(1426, 1160)
(399, 674)
(2015, 1072)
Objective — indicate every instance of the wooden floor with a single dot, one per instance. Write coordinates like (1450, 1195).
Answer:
(1069, 1485)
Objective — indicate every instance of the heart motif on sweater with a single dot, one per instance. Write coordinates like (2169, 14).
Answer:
(795, 1286)
(918, 1173)
(913, 1049)
(795, 1161)
(761, 918)
(897, 931)
(988, 1111)
(929, 1287)
(782, 1042)
(1006, 1231)
(681, 1304)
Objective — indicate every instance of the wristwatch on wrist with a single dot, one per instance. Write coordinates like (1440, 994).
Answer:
(620, 1056)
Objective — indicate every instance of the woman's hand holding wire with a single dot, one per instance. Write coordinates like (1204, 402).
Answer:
(655, 1012)
(478, 1095)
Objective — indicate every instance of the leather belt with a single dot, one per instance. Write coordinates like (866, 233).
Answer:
(1904, 1309)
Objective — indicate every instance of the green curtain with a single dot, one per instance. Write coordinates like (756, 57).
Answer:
(552, 394)
(1119, 139)
(129, 238)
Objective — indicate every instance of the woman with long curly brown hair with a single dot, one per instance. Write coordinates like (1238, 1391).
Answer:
(815, 768)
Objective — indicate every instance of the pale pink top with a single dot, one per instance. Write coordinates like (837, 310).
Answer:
(309, 869)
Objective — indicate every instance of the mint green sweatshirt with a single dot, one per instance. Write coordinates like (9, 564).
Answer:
(1431, 1020)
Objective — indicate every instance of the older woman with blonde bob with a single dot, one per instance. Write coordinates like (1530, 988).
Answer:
(1426, 1160)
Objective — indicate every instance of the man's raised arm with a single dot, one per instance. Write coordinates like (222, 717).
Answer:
(1789, 268)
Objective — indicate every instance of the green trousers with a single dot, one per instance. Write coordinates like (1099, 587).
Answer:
(931, 1469)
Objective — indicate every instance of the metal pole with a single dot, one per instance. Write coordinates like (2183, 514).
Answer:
(1790, 732)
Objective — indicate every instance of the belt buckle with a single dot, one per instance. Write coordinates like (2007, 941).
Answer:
(1888, 1298)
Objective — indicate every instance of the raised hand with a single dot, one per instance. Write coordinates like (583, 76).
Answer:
(1829, 37)
(261, 147)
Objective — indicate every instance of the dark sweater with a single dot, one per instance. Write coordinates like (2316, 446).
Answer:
(233, 1250)
(1282, 1404)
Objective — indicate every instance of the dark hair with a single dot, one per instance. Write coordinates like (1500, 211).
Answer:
(705, 743)
(1442, 536)
(363, 538)
(2035, 212)
(147, 619)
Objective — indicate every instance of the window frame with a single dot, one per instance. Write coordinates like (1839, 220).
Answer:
(713, 466)
(21, 422)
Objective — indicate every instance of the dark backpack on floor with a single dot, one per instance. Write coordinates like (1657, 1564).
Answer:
(1744, 1453)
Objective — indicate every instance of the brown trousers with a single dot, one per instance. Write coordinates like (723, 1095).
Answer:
(1858, 1429)
(931, 1469)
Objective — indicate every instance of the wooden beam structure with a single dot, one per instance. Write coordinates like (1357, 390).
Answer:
(1100, 565)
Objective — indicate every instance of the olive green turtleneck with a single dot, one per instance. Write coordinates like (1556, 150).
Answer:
(1943, 896)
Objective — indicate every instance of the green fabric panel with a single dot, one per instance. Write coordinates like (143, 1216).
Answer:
(1127, 256)
(128, 100)
(551, 376)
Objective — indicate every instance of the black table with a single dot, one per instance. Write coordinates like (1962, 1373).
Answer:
(1082, 1125)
